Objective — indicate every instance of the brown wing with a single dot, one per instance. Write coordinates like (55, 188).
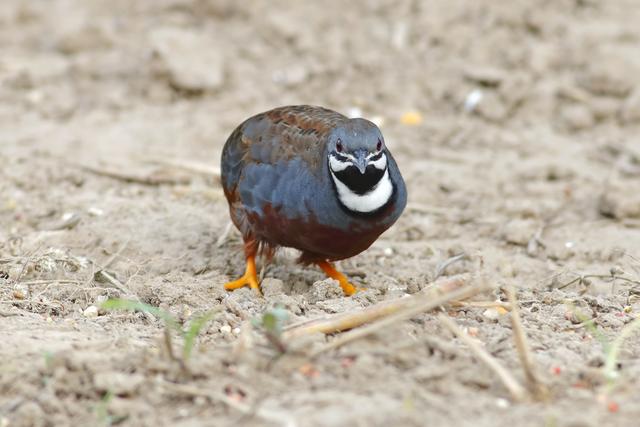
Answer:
(294, 131)
(274, 137)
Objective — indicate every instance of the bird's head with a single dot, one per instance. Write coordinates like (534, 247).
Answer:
(357, 158)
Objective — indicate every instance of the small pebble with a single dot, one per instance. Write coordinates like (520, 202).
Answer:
(472, 100)
(225, 329)
(91, 312)
(491, 313)
(502, 403)
(93, 211)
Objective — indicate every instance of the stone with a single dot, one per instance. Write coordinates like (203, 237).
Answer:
(117, 382)
(576, 117)
(630, 110)
(192, 61)
(325, 289)
(271, 287)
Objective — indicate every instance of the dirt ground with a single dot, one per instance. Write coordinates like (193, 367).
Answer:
(515, 125)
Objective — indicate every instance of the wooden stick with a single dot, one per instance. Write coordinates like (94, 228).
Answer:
(517, 391)
(133, 178)
(9, 313)
(482, 304)
(50, 282)
(537, 388)
(116, 255)
(201, 168)
(344, 321)
(407, 312)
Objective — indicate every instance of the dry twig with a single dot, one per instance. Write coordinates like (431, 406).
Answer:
(344, 321)
(537, 388)
(517, 391)
(441, 267)
(419, 305)
(135, 178)
(482, 304)
(9, 313)
(200, 168)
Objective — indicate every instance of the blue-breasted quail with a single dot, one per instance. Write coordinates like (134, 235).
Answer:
(312, 179)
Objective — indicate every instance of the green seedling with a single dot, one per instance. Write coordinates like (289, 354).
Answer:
(102, 413)
(610, 349)
(611, 360)
(272, 324)
(188, 335)
(192, 332)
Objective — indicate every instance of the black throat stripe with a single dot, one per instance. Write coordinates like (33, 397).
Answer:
(360, 183)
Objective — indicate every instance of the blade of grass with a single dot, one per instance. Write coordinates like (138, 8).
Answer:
(131, 305)
(614, 348)
(195, 326)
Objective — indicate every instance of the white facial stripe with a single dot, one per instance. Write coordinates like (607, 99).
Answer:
(369, 202)
(338, 165)
(381, 163)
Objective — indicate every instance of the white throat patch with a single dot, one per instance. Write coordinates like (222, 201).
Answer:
(376, 198)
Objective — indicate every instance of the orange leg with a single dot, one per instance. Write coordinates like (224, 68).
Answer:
(330, 271)
(249, 278)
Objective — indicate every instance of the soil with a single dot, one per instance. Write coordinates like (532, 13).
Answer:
(515, 125)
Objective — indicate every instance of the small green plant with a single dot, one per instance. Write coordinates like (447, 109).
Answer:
(188, 335)
(610, 349)
(611, 360)
(272, 324)
(101, 410)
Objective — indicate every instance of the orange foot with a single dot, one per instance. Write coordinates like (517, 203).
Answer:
(330, 271)
(249, 278)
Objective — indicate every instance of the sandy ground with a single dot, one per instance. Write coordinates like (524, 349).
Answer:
(522, 153)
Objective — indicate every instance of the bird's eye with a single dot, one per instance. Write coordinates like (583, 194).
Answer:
(339, 146)
(379, 145)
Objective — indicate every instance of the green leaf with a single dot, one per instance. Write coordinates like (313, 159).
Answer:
(194, 330)
(131, 305)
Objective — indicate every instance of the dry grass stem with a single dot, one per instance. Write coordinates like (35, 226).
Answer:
(191, 166)
(122, 288)
(133, 178)
(482, 304)
(441, 267)
(517, 391)
(116, 255)
(50, 282)
(344, 321)
(537, 388)
(402, 313)
(9, 314)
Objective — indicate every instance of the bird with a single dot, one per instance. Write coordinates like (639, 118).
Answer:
(312, 179)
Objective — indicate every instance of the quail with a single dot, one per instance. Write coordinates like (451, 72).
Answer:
(312, 179)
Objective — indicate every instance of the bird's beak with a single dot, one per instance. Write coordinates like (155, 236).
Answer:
(361, 160)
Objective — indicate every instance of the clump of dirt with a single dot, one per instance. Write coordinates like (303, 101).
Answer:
(514, 125)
